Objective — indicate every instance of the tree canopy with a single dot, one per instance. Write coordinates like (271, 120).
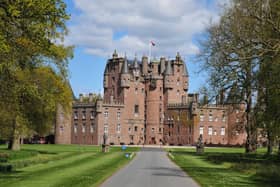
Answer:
(241, 54)
(33, 64)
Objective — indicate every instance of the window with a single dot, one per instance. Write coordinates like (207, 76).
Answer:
(201, 130)
(118, 128)
(75, 115)
(92, 115)
(76, 128)
(153, 129)
(210, 117)
(129, 129)
(92, 128)
(236, 111)
(201, 117)
(135, 129)
(142, 90)
(178, 82)
(224, 118)
(237, 120)
(106, 114)
(84, 115)
(136, 109)
(106, 128)
(160, 98)
(118, 115)
(136, 90)
(223, 131)
(159, 130)
(178, 92)
(84, 128)
(210, 130)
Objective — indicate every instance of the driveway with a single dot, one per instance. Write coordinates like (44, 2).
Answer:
(150, 167)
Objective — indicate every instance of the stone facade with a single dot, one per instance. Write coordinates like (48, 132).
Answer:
(148, 103)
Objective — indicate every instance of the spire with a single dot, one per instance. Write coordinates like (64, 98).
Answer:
(135, 63)
(168, 70)
(178, 57)
(115, 54)
(185, 70)
(125, 66)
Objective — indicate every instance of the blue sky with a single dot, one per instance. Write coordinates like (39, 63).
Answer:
(98, 27)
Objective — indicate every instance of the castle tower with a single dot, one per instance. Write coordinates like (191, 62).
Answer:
(63, 126)
(125, 76)
(154, 103)
(145, 65)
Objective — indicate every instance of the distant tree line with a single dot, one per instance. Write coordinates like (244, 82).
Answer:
(33, 67)
(242, 55)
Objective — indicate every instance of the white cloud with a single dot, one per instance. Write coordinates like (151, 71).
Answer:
(170, 23)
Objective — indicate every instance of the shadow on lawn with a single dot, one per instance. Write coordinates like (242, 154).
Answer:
(261, 169)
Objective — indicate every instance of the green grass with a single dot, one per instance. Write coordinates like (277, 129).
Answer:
(61, 165)
(229, 167)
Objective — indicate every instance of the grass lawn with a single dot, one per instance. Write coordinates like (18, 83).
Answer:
(229, 167)
(61, 165)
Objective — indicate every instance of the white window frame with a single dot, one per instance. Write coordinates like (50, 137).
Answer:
(210, 117)
(118, 128)
(201, 117)
(223, 131)
(210, 131)
(201, 130)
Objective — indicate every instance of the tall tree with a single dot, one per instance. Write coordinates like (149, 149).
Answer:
(235, 49)
(30, 31)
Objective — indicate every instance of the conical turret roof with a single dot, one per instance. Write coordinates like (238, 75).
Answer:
(125, 66)
(135, 63)
(168, 70)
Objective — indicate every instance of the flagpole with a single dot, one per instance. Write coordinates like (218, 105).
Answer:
(150, 52)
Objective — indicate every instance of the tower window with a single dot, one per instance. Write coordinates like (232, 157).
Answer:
(136, 109)
(118, 128)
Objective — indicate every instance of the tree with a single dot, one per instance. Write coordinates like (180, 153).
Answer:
(235, 49)
(29, 34)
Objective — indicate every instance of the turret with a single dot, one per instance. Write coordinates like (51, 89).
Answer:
(185, 77)
(168, 75)
(106, 77)
(125, 76)
(136, 69)
(162, 65)
(145, 65)
(115, 54)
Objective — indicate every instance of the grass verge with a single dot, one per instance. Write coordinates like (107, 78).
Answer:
(61, 165)
(228, 167)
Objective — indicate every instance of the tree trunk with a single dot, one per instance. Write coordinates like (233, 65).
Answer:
(251, 142)
(15, 144)
(279, 148)
(270, 143)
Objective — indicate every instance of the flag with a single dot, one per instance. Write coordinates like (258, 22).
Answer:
(153, 44)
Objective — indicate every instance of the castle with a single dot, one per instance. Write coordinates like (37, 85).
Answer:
(148, 103)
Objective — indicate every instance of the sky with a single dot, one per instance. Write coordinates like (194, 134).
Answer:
(98, 27)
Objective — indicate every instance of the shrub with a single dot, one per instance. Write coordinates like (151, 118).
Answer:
(4, 168)
(4, 157)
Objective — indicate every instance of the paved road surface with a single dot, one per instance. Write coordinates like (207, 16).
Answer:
(150, 168)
